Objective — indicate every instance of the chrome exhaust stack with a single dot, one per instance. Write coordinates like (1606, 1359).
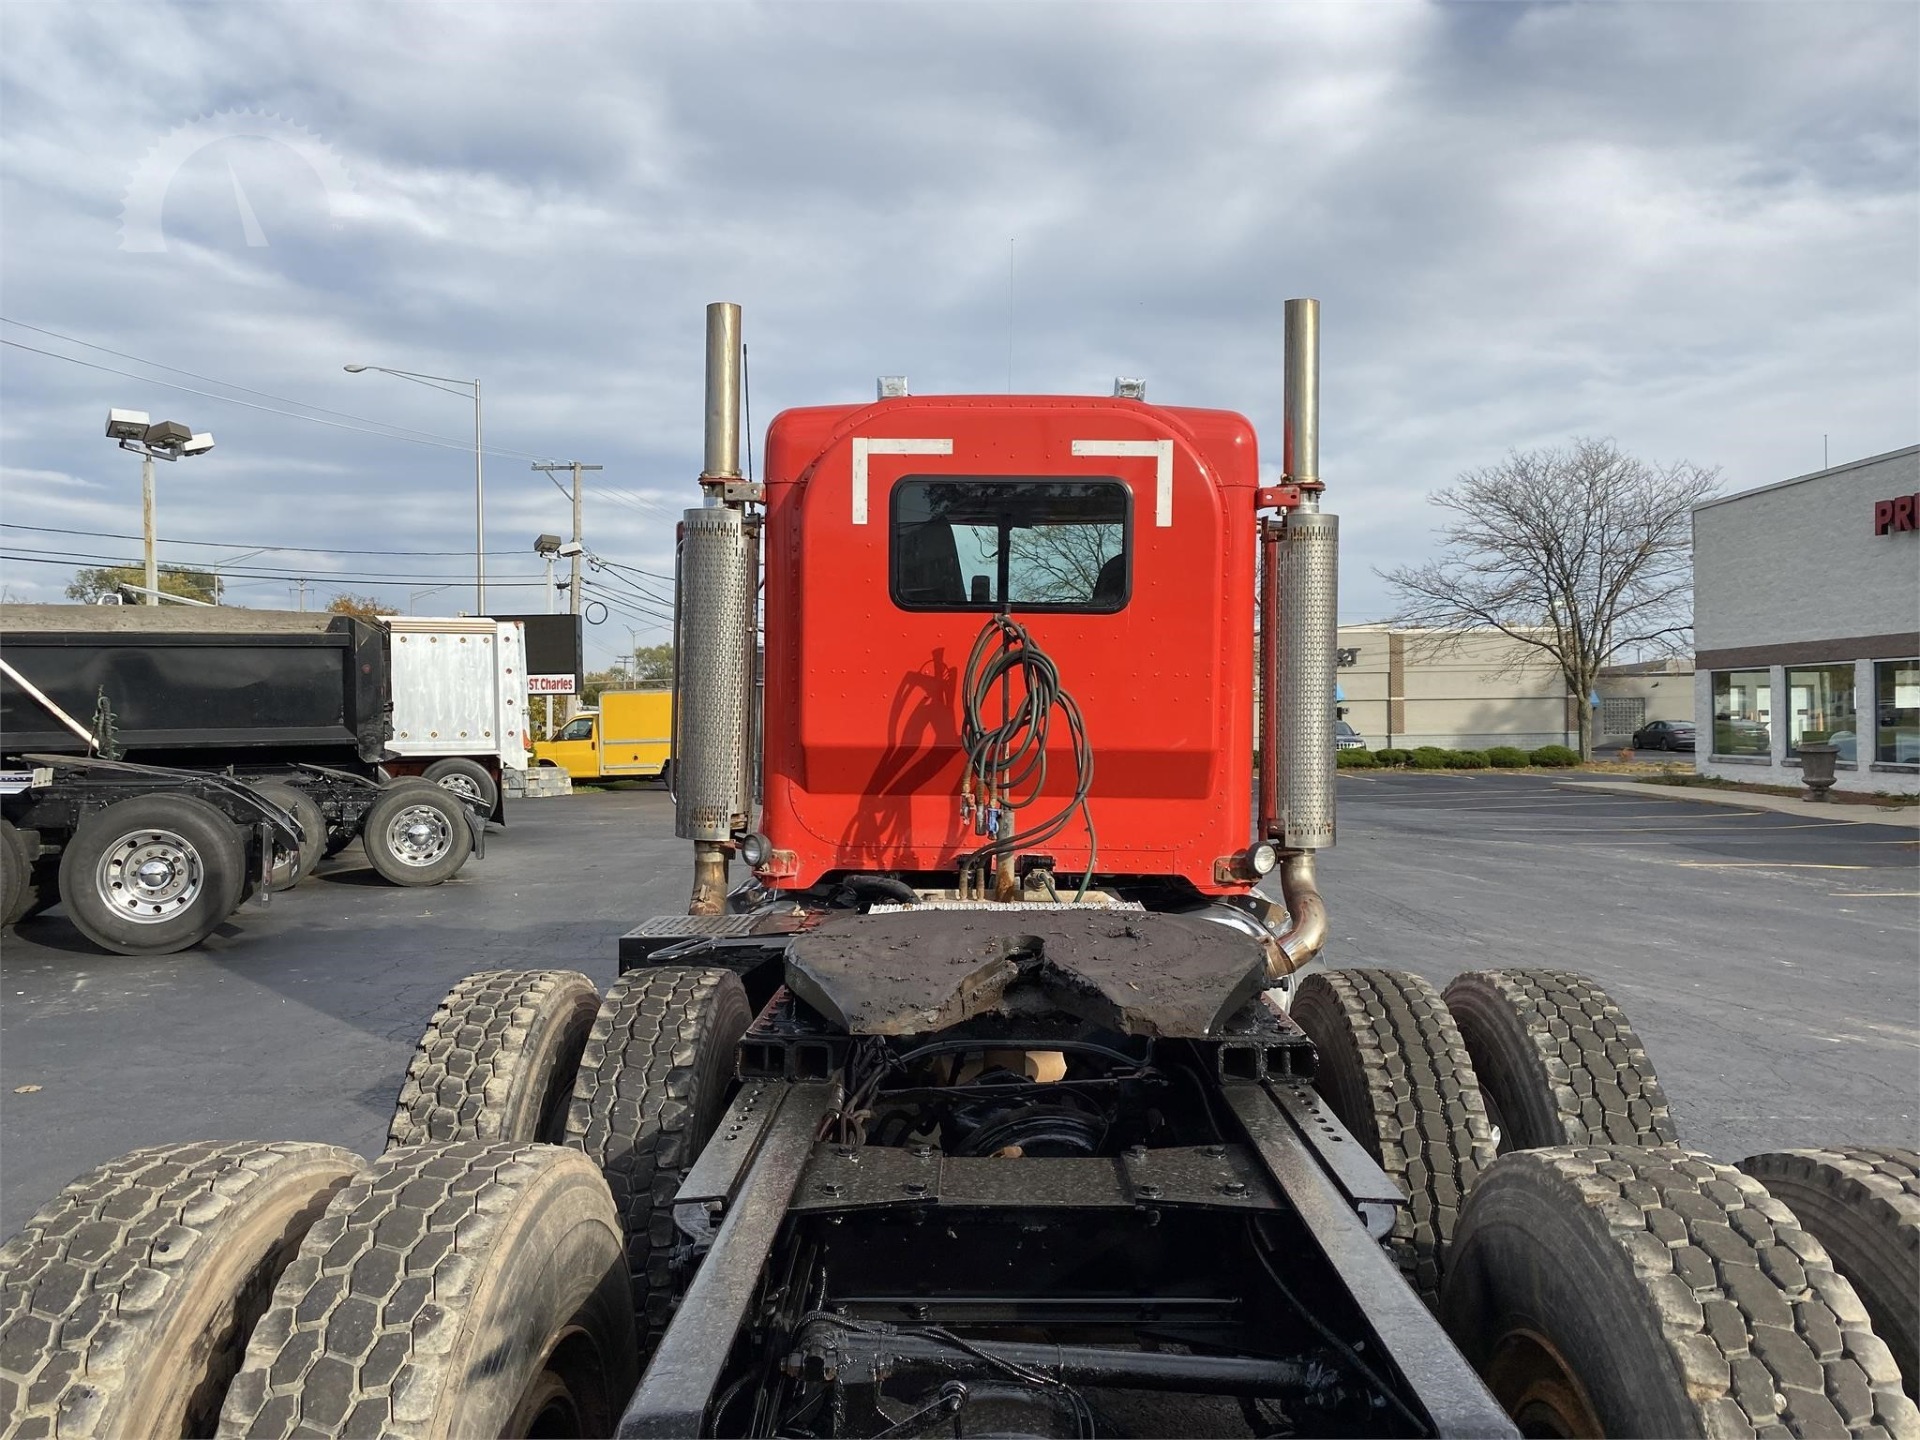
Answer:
(715, 636)
(1300, 682)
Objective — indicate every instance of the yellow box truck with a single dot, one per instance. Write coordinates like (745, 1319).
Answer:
(630, 736)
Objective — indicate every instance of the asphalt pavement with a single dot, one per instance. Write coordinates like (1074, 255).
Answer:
(1772, 964)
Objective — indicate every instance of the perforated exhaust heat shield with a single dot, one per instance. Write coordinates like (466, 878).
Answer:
(713, 710)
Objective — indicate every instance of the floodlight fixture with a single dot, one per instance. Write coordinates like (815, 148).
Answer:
(127, 424)
(546, 544)
(167, 435)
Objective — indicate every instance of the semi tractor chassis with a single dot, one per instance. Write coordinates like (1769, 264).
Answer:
(1049, 1214)
(960, 1118)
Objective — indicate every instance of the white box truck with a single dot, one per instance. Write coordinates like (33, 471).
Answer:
(459, 703)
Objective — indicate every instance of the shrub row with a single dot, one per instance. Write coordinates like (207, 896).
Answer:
(1432, 757)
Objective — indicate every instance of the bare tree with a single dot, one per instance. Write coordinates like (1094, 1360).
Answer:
(1581, 552)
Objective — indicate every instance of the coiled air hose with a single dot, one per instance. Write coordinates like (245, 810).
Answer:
(1007, 762)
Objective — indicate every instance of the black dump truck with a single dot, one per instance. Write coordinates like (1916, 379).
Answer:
(162, 766)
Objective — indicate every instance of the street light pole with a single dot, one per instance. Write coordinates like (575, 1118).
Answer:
(441, 382)
(479, 514)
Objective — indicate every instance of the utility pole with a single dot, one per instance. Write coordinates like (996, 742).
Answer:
(573, 587)
(302, 583)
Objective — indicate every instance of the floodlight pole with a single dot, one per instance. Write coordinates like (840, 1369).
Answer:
(152, 597)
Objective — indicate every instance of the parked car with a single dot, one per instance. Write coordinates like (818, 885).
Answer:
(1664, 735)
(1345, 737)
(1741, 737)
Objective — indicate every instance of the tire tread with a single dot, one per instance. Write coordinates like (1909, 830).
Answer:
(639, 1109)
(1426, 1122)
(1863, 1204)
(1767, 1338)
(1571, 1045)
(478, 1048)
(366, 1322)
(83, 1285)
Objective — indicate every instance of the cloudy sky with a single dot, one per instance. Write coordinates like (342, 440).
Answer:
(1694, 228)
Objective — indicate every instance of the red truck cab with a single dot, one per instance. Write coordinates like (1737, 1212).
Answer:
(1121, 534)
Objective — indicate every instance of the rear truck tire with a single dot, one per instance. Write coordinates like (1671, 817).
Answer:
(416, 834)
(1557, 1061)
(1863, 1204)
(16, 873)
(498, 1059)
(653, 1082)
(1629, 1291)
(466, 778)
(1393, 1069)
(313, 828)
(451, 1291)
(153, 874)
(127, 1302)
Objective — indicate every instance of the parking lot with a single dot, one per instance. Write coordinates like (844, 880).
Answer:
(1770, 961)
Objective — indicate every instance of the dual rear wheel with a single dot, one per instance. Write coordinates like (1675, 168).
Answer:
(1600, 1278)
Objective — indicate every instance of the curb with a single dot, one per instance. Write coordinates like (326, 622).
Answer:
(1842, 813)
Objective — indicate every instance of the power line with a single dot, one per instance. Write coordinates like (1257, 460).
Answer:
(627, 604)
(639, 594)
(242, 545)
(247, 572)
(269, 409)
(211, 380)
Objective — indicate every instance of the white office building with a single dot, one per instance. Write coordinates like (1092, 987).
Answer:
(1807, 626)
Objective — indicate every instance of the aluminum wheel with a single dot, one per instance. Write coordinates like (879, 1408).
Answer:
(462, 785)
(419, 835)
(149, 876)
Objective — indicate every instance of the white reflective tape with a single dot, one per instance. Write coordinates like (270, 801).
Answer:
(1161, 450)
(881, 445)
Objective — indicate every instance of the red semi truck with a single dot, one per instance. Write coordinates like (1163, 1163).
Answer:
(1000, 1096)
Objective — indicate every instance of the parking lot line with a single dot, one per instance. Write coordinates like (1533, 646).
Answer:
(1772, 865)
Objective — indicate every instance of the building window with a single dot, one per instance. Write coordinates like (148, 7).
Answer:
(1896, 695)
(1742, 712)
(1820, 710)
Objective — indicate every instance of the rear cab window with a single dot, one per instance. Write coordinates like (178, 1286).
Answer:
(1028, 543)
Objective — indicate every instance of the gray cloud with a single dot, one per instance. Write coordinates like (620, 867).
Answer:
(1692, 227)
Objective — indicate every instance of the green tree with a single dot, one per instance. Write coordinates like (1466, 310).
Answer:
(364, 606)
(598, 680)
(653, 665)
(89, 585)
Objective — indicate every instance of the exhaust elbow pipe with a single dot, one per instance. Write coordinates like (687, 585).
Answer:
(1306, 930)
(1303, 560)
